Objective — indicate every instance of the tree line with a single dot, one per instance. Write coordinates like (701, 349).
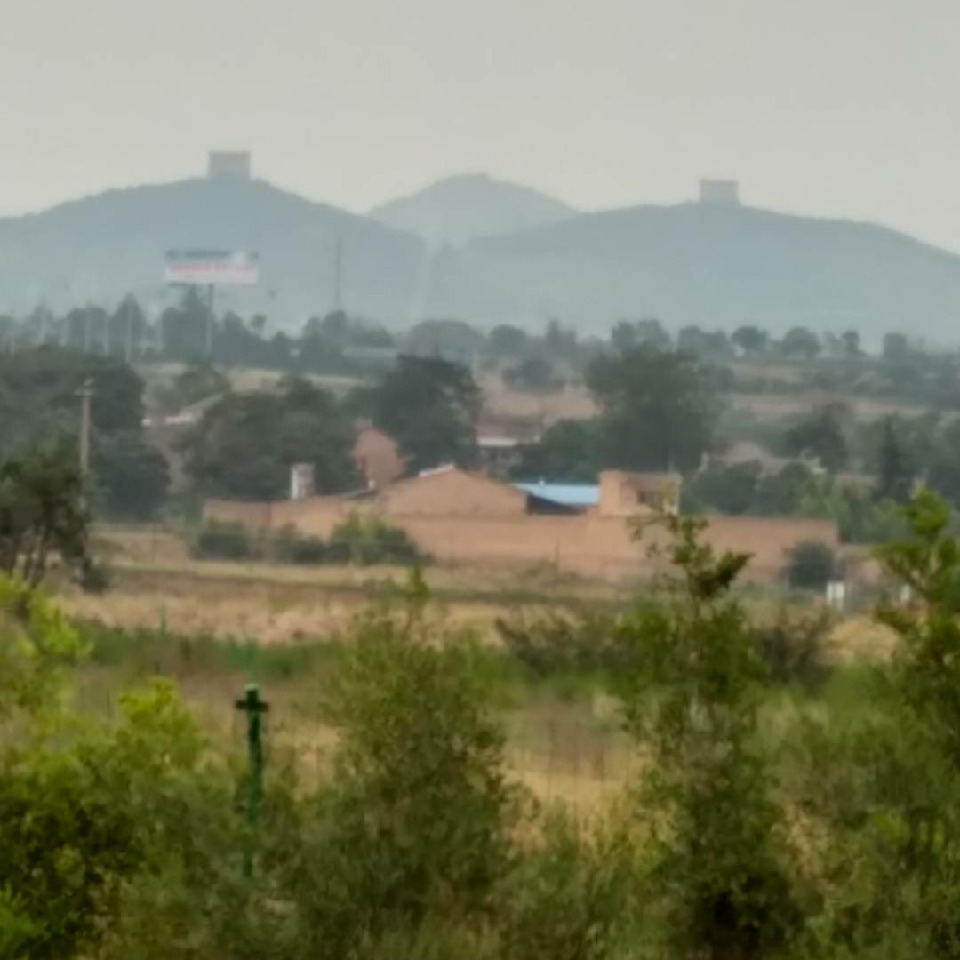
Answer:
(659, 409)
(190, 330)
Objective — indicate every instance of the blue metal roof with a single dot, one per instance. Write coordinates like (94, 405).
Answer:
(565, 494)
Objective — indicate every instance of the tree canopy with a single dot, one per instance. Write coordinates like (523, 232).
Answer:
(568, 452)
(821, 435)
(245, 444)
(39, 405)
(430, 407)
(658, 408)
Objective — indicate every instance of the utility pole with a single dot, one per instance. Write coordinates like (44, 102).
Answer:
(338, 276)
(254, 708)
(210, 323)
(128, 309)
(85, 394)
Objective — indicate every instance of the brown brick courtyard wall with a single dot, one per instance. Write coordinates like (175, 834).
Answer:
(588, 544)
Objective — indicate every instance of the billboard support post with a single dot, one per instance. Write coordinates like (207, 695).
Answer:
(210, 322)
(210, 269)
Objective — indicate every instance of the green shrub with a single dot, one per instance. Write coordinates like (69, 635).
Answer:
(366, 540)
(217, 540)
(791, 645)
(571, 895)
(724, 878)
(290, 547)
(414, 826)
(572, 641)
(811, 565)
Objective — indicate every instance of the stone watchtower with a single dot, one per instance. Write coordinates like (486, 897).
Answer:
(229, 165)
(720, 193)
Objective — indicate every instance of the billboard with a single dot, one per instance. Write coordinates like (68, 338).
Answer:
(216, 267)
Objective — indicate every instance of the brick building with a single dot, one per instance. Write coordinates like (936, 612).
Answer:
(461, 517)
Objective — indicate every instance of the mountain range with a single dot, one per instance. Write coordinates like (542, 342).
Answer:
(459, 209)
(488, 251)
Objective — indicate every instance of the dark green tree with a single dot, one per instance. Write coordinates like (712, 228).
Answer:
(245, 444)
(430, 407)
(535, 374)
(710, 344)
(821, 436)
(896, 346)
(185, 327)
(658, 408)
(568, 452)
(722, 871)
(801, 344)
(896, 471)
(42, 513)
(811, 565)
(850, 341)
(506, 342)
(450, 340)
(784, 494)
(38, 394)
(131, 474)
(559, 342)
(624, 336)
(731, 490)
(750, 339)
(885, 784)
(415, 819)
(127, 327)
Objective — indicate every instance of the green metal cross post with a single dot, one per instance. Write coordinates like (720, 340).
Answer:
(254, 707)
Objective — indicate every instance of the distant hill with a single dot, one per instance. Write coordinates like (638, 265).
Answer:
(709, 265)
(462, 208)
(103, 246)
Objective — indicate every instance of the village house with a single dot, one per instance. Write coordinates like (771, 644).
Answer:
(457, 516)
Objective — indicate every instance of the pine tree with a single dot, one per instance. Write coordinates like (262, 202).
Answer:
(896, 474)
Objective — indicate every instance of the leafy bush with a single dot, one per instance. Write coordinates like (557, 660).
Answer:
(534, 375)
(358, 540)
(290, 547)
(414, 825)
(723, 872)
(581, 640)
(791, 645)
(571, 895)
(366, 540)
(811, 565)
(217, 540)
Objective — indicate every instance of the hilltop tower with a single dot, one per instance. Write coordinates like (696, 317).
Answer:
(229, 165)
(720, 193)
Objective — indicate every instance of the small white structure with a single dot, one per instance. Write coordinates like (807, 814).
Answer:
(303, 481)
(837, 595)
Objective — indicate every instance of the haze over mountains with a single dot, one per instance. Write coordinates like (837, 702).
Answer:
(487, 251)
(458, 209)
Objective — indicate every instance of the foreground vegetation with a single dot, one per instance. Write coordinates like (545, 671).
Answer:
(773, 804)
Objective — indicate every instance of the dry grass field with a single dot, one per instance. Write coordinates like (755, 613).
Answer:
(575, 403)
(208, 620)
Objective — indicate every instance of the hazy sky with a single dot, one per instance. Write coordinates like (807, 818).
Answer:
(833, 107)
